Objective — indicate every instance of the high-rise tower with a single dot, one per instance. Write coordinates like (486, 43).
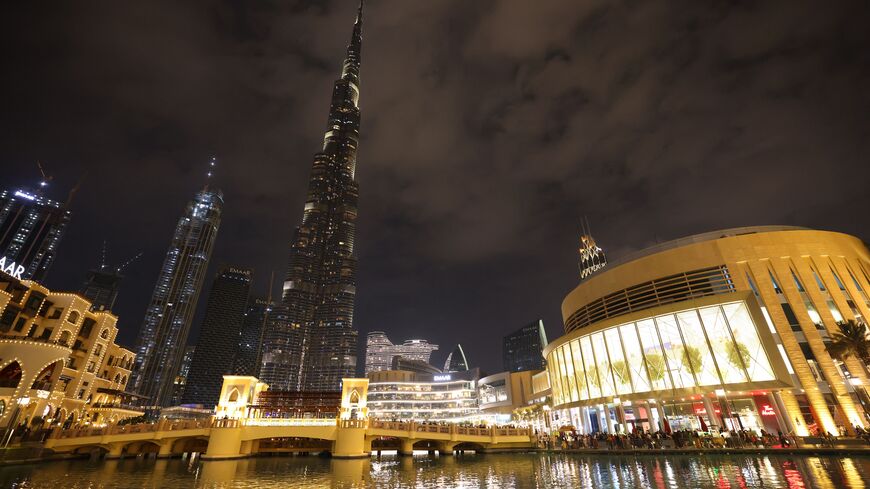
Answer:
(31, 226)
(218, 337)
(523, 349)
(320, 285)
(163, 337)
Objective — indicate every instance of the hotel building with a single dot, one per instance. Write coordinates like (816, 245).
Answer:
(58, 359)
(725, 329)
(380, 351)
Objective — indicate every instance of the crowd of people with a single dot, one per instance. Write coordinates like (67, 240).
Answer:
(572, 440)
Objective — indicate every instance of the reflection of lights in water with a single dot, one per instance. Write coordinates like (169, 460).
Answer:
(851, 474)
(793, 477)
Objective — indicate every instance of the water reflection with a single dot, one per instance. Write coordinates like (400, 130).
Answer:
(431, 471)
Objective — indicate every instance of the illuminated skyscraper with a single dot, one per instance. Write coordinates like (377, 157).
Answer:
(380, 351)
(320, 286)
(218, 341)
(30, 229)
(163, 337)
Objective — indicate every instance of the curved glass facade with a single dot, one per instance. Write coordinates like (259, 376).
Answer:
(707, 346)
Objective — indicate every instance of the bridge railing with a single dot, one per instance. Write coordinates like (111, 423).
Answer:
(289, 422)
(162, 425)
(447, 428)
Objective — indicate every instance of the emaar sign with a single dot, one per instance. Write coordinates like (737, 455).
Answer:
(10, 267)
(441, 378)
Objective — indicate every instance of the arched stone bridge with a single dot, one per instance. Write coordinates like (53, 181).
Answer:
(233, 438)
(239, 430)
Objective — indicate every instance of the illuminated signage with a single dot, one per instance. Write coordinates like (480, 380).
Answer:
(42, 394)
(25, 195)
(766, 410)
(440, 378)
(9, 267)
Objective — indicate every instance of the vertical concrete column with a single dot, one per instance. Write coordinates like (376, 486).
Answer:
(224, 443)
(350, 441)
(711, 413)
(407, 447)
(116, 450)
(165, 449)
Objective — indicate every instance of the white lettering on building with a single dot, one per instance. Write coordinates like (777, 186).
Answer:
(9, 267)
(440, 378)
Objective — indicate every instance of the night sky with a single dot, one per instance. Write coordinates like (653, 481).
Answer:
(488, 129)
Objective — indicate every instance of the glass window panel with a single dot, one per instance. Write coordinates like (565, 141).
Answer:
(592, 379)
(602, 364)
(696, 354)
(579, 371)
(621, 372)
(745, 332)
(634, 358)
(553, 367)
(730, 357)
(569, 373)
(656, 364)
(566, 393)
(672, 344)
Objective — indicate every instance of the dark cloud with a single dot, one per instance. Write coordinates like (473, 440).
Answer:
(488, 128)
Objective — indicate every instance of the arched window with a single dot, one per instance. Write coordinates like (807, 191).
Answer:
(43, 380)
(117, 378)
(73, 317)
(10, 376)
(234, 396)
(64, 338)
(104, 333)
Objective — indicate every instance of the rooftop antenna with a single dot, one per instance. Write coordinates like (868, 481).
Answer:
(103, 257)
(265, 320)
(45, 177)
(210, 173)
(128, 262)
(74, 190)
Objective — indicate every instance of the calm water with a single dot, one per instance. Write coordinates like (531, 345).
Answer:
(493, 470)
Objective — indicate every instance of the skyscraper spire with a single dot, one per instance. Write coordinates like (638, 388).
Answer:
(311, 343)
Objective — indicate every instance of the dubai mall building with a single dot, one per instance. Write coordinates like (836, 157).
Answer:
(725, 329)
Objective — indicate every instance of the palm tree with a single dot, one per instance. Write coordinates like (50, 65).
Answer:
(851, 341)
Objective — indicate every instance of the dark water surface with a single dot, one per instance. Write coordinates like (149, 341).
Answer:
(471, 470)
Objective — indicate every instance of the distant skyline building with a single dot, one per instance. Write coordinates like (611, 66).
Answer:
(31, 227)
(102, 283)
(282, 351)
(416, 366)
(181, 379)
(219, 336)
(320, 285)
(247, 359)
(456, 361)
(523, 349)
(380, 351)
(163, 336)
